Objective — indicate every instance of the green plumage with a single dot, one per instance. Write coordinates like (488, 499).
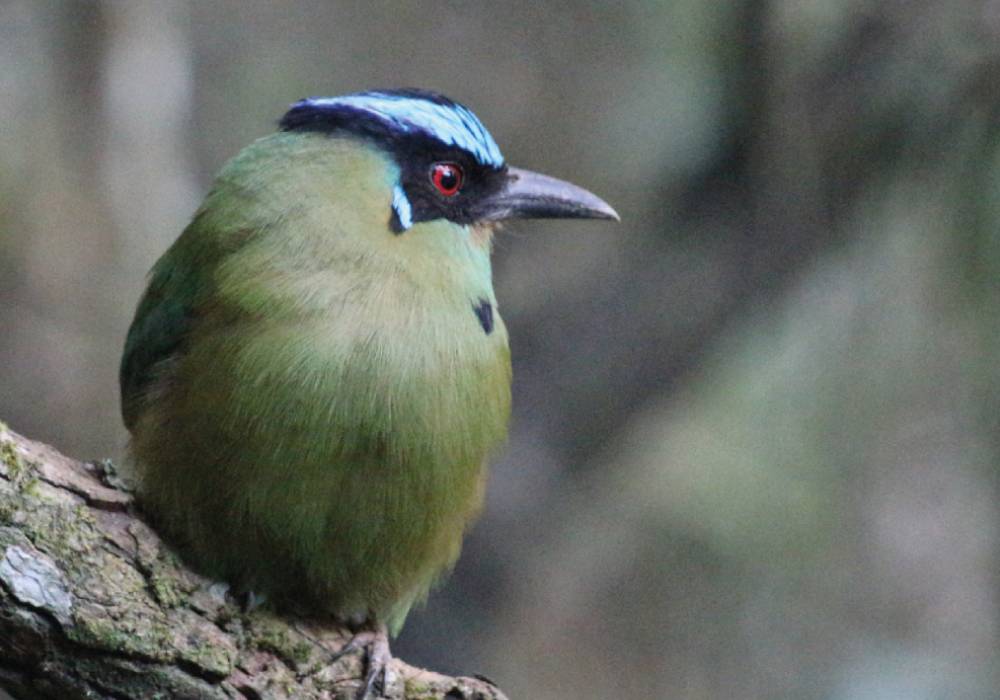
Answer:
(311, 397)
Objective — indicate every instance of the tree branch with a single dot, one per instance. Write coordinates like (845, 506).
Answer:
(94, 605)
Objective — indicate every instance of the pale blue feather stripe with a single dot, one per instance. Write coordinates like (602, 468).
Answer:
(452, 124)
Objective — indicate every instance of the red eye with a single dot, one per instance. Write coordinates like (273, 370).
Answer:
(447, 177)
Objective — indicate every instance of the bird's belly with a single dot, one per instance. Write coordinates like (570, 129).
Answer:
(338, 471)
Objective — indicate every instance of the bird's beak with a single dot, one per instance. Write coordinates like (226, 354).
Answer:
(528, 195)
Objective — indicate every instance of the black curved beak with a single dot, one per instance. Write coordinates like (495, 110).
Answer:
(528, 195)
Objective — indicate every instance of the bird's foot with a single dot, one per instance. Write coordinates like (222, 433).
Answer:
(375, 643)
(247, 601)
(377, 668)
(250, 601)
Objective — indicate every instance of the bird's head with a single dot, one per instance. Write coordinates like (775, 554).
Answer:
(449, 165)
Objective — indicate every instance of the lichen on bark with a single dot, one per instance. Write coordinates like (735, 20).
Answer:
(94, 605)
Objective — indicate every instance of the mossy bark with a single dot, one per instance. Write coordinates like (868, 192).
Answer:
(94, 605)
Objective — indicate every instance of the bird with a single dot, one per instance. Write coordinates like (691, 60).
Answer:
(317, 372)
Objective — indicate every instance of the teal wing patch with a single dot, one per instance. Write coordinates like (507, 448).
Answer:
(158, 332)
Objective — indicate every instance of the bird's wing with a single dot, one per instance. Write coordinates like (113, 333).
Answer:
(158, 330)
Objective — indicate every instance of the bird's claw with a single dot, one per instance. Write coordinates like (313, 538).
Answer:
(375, 680)
(377, 666)
(250, 601)
(375, 643)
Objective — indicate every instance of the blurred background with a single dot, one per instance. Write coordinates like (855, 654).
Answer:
(756, 430)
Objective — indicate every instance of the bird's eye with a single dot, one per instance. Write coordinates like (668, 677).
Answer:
(447, 178)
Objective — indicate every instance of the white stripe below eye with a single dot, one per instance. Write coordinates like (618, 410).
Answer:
(401, 205)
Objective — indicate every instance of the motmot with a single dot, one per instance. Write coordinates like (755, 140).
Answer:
(317, 372)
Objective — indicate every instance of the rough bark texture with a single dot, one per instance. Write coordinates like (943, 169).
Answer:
(94, 605)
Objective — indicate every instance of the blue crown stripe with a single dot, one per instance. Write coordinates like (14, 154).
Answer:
(450, 123)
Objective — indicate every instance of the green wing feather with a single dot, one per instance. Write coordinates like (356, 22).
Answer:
(158, 330)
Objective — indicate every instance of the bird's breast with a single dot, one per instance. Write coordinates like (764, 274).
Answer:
(418, 382)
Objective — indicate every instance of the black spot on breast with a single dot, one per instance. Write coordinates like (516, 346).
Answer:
(484, 312)
(395, 225)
